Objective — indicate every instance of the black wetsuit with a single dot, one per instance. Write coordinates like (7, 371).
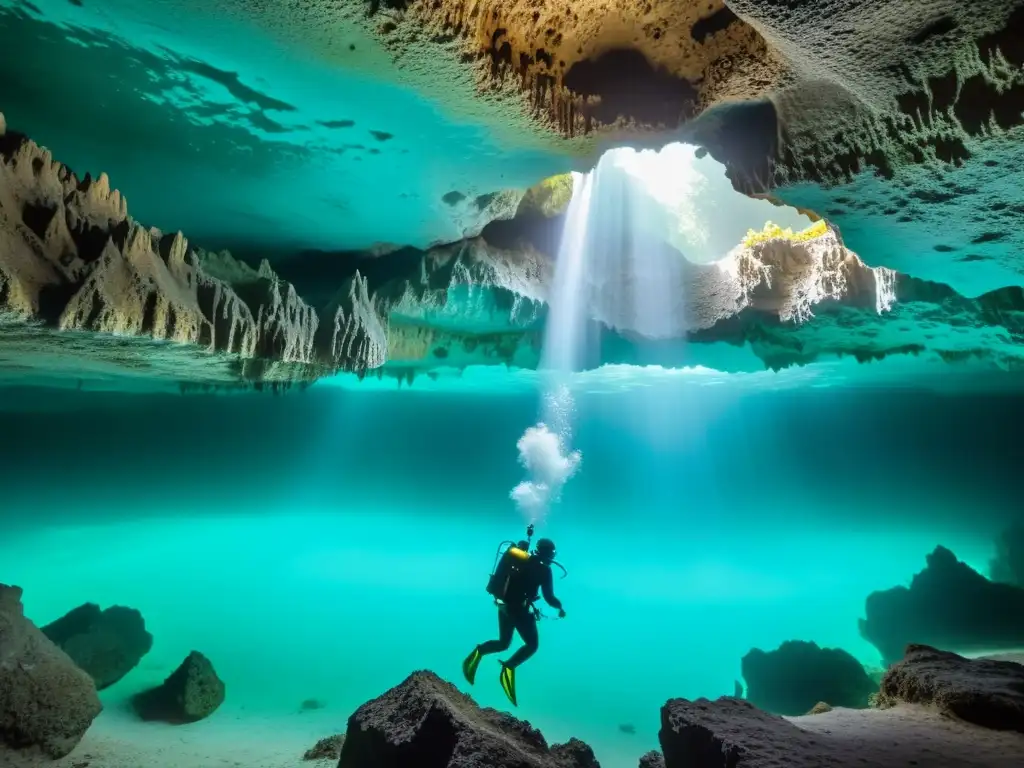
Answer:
(517, 612)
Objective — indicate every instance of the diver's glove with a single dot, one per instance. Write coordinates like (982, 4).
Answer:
(561, 613)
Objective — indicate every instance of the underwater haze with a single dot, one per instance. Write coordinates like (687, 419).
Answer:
(322, 545)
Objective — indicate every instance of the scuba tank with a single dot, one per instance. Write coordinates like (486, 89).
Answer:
(509, 560)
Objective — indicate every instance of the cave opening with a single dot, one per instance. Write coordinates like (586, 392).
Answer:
(630, 86)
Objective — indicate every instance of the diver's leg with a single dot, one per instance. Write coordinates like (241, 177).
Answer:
(505, 629)
(526, 626)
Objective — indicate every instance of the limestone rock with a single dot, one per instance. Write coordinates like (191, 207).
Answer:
(72, 260)
(947, 605)
(652, 759)
(983, 691)
(191, 693)
(326, 749)
(798, 675)
(548, 198)
(46, 702)
(821, 708)
(107, 644)
(427, 721)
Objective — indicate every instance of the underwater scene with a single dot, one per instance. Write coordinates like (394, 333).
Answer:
(511, 385)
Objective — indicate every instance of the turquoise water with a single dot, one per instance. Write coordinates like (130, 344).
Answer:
(325, 544)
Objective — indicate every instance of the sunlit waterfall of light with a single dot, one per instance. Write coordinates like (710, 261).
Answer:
(614, 269)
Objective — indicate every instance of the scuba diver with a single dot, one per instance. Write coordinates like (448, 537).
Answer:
(518, 576)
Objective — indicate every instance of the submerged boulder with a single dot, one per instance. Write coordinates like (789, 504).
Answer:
(982, 691)
(326, 749)
(652, 759)
(425, 721)
(191, 693)
(1008, 564)
(948, 605)
(796, 676)
(107, 644)
(46, 702)
(732, 733)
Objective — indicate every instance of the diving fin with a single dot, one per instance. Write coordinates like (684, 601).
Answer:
(470, 664)
(508, 683)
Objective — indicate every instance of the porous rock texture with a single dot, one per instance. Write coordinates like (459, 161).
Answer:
(83, 286)
(326, 749)
(593, 67)
(983, 691)
(652, 759)
(948, 605)
(427, 721)
(902, 122)
(86, 290)
(46, 702)
(107, 644)
(730, 733)
(191, 693)
(798, 675)
(1008, 564)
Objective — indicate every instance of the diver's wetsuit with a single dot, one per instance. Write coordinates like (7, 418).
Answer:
(517, 613)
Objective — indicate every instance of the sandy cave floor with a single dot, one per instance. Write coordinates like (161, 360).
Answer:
(903, 736)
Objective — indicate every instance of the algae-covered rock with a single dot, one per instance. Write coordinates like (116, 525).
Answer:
(191, 693)
(549, 198)
(108, 644)
(46, 702)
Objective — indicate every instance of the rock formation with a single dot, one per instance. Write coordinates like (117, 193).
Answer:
(1008, 564)
(85, 287)
(947, 605)
(652, 759)
(46, 702)
(326, 749)
(985, 696)
(107, 644)
(427, 721)
(985, 692)
(798, 675)
(854, 111)
(191, 693)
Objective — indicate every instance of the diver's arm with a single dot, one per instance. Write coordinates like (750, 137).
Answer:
(547, 589)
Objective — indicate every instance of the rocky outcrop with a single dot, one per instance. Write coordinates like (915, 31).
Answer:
(548, 198)
(191, 693)
(1008, 564)
(427, 721)
(602, 67)
(795, 677)
(906, 134)
(729, 733)
(83, 287)
(948, 605)
(326, 749)
(107, 644)
(652, 759)
(985, 692)
(46, 702)
(73, 261)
